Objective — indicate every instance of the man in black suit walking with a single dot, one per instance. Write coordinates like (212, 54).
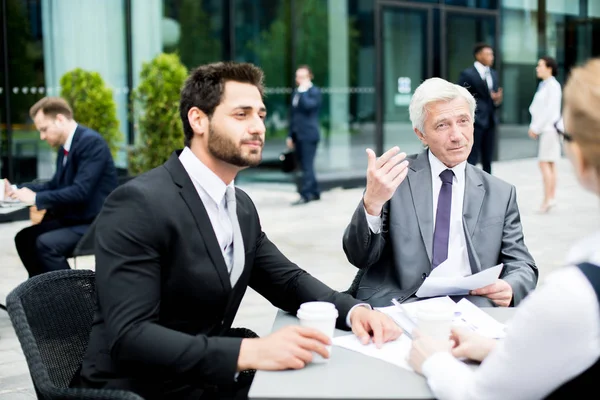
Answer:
(304, 133)
(176, 249)
(85, 175)
(482, 81)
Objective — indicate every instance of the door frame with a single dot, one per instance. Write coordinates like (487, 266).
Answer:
(379, 88)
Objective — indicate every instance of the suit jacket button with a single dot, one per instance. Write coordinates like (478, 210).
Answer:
(424, 276)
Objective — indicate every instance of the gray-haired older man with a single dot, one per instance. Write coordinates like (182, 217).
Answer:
(446, 209)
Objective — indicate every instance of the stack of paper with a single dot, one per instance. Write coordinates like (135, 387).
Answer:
(466, 314)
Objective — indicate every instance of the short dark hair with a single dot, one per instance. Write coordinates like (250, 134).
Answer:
(51, 107)
(306, 67)
(480, 46)
(205, 85)
(551, 63)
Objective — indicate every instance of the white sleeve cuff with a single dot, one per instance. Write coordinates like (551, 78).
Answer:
(447, 376)
(352, 309)
(374, 222)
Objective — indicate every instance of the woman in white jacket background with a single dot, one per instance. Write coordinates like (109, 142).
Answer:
(545, 112)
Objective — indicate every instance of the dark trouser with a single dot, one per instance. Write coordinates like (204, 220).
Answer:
(306, 151)
(483, 147)
(45, 247)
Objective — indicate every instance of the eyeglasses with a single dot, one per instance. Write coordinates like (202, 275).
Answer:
(567, 136)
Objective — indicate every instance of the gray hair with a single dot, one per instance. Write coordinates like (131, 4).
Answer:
(432, 90)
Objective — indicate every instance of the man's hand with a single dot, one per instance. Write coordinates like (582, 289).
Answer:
(423, 347)
(289, 143)
(8, 190)
(24, 195)
(500, 292)
(471, 345)
(497, 96)
(384, 175)
(289, 348)
(368, 323)
(532, 134)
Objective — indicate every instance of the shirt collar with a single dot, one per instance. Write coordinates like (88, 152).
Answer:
(203, 176)
(480, 68)
(67, 145)
(437, 167)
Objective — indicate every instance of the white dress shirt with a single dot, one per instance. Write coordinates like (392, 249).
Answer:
(545, 108)
(67, 145)
(211, 190)
(457, 243)
(553, 337)
(301, 89)
(485, 74)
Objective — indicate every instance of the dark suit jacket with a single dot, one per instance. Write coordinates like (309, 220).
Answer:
(77, 190)
(164, 296)
(398, 259)
(304, 116)
(485, 113)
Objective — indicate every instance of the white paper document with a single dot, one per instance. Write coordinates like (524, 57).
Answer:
(436, 284)
(466, 314)
(395, 352)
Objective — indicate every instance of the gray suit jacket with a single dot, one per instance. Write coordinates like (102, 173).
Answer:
(397, 260)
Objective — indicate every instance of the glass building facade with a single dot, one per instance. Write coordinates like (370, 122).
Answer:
(366, 55)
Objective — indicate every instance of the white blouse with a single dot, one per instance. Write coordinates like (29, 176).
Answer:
(553, 337)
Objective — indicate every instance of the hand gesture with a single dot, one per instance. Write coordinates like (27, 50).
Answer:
(497, 96)
(289, 348)
(289, 143)
(471, 345)
(367, 324)
(423, 347)
(500, 292)
(384, 175)
(532, 134)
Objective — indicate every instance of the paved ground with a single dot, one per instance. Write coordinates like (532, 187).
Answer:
(310, 235)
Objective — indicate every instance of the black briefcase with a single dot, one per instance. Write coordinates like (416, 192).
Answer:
(288, 160)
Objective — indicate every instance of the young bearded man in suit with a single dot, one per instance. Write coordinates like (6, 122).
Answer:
(421, 210)
(85, 175)
(304, 134)
(176, 249)
(482, 81)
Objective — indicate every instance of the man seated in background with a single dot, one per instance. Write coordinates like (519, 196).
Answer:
(85, 175)
(447, 210)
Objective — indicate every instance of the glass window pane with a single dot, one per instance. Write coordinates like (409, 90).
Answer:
(489, 4)
(262, 37)
(32, 158)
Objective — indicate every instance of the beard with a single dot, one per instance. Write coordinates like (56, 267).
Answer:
(226, 149)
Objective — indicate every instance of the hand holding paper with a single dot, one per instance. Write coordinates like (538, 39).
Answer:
(436, 285)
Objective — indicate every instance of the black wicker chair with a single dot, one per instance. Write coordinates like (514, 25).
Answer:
(52, 316)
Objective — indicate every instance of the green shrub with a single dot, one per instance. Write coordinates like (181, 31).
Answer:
(156, 101)
(93, 104)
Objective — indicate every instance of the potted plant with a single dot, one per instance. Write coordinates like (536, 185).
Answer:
(93, 104)
(156, 104)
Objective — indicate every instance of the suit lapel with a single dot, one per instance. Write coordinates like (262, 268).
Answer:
(483, 87)
(61, 155)
(419, 179)
(190, 196)
(473, 200)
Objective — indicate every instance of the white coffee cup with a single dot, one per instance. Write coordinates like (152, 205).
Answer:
(435, 319)
(320, 315)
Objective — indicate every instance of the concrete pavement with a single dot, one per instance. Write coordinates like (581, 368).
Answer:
(310, 235)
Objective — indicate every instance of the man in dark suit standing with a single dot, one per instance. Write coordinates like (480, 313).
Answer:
(85, 175)
(304, 132)
(176, 249)
(482, 81)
